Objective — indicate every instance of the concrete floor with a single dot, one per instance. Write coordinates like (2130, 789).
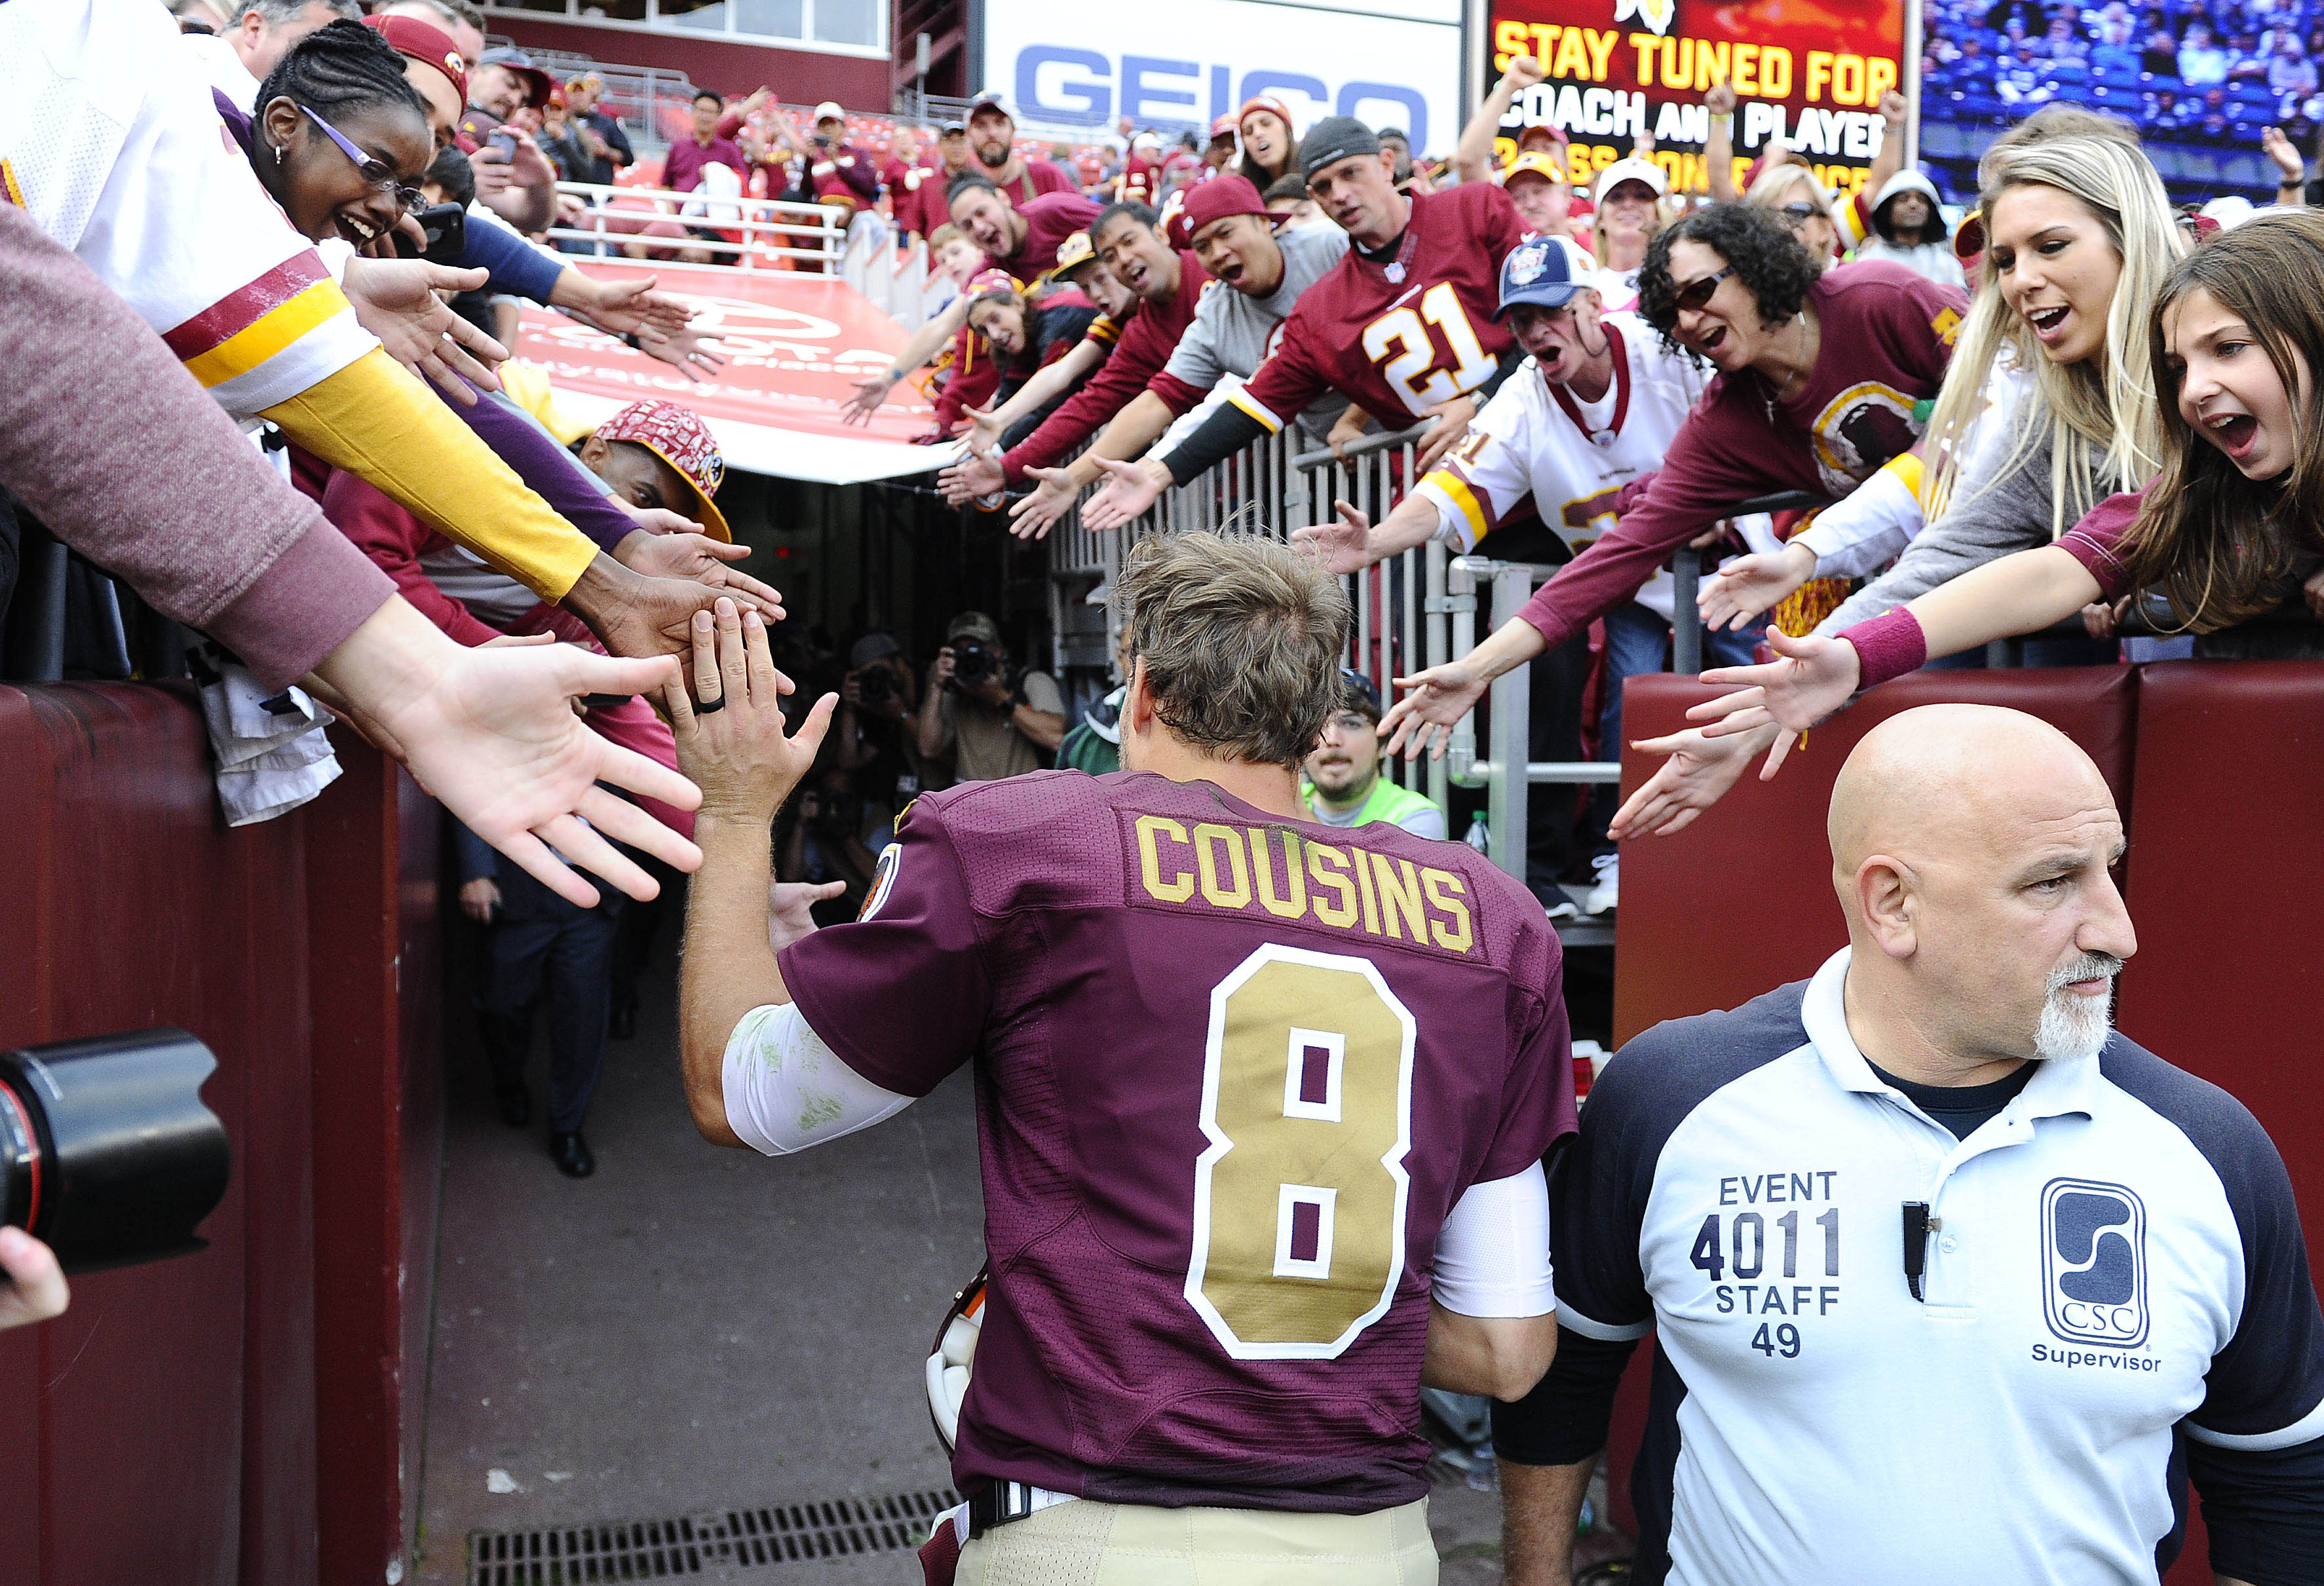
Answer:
(695, 1329)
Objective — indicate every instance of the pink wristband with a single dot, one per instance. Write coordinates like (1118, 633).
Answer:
(1888, 646)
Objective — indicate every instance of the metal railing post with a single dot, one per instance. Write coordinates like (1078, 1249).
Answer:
(1512, 700)
(1686, 617)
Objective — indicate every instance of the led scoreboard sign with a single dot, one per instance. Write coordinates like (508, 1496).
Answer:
(1809, 72)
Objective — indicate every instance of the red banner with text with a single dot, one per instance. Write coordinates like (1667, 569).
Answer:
(1809, 72)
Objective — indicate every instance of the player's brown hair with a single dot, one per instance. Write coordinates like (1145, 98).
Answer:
(1242, 640)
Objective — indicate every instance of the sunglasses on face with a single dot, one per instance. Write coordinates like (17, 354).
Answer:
(1697, 294)
(374, 171)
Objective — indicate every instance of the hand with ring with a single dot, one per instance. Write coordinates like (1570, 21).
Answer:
(741, 757)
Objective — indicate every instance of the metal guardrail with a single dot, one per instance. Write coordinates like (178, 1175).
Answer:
(770, 228)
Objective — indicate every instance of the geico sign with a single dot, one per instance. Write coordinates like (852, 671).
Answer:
(1087, 87)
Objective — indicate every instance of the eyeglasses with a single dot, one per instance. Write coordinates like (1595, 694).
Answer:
(1696, 294)
(374, 171)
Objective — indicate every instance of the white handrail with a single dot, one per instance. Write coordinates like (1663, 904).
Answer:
(770, 229)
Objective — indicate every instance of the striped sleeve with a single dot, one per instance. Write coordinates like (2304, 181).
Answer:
(1853, 217)
(115, 147)
(1480, 482)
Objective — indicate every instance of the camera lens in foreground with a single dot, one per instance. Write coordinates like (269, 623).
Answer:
(107, 1152)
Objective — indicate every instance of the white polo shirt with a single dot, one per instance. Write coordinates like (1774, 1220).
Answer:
(2118, 1255)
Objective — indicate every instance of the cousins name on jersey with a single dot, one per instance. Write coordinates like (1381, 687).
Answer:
(1274, 870)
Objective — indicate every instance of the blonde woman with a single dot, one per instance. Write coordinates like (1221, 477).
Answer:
(1804, 204)
(1633, 207)
(2080, 240)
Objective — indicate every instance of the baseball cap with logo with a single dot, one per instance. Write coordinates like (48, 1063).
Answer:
(1274, 107)
(1333, 138)
(415, 40)
(830, 110)
(1537, 271)
(972, 625)
(1073, 253)
(992, 280)
(536, 83)
(1643, 172)
(1548, 167)
(678, 437)
(991, 99)
(1223, 129)
(1222, 196)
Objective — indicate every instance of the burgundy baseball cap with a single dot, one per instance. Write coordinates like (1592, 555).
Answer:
(678, 437)
(430, 46)
(1219, 197)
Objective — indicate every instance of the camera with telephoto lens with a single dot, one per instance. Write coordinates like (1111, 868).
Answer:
(972, 661)
(107, 1154)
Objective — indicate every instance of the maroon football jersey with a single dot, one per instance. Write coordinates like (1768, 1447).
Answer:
(1233, 1073)
(1049, 220)
(1400, 336)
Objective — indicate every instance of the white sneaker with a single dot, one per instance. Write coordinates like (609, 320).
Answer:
(1607, 892)
(1562, 908)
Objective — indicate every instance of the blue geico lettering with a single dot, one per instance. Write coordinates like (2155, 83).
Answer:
(1081, 87)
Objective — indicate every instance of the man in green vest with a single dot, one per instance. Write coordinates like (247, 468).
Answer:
(1342, 784)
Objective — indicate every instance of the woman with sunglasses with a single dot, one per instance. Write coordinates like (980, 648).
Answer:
(1799, 200)
(1819, 376)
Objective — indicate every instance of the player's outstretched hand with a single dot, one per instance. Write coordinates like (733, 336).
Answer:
(35, 1290)
(1343, 547)
(1034, 515)
(974, 475)
(984, 432)
(1131, 488)
(1751, 585)
(1426, 716)
(395, 300)
(1698, 772)
(700, 560)
(788, 904)
(732, 742)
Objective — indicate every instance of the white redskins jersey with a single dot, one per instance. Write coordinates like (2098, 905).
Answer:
(1572, 458)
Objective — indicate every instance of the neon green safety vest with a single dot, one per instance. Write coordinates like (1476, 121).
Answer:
(1388, 802)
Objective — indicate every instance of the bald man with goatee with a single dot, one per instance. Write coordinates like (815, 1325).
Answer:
(1947, 1277)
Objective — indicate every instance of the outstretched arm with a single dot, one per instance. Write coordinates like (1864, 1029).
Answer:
(1719, 148)
(872, 389)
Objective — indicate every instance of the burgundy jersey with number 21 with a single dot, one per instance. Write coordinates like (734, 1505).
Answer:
(1233, 1072)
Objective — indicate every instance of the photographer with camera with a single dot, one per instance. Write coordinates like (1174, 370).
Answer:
(993, 722)
(876, 733)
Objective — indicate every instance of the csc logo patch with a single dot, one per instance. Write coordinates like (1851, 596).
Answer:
(2094, 1262)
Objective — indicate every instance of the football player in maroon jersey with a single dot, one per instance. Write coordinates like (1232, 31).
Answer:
(1263, 1103)
(1404, 328)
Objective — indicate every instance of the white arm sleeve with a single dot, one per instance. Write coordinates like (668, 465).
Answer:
(1492, 1254)
(787, 1090)
(1872, 525)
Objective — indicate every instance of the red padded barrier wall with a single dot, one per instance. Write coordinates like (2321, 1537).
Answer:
(143, 1423)
(165, 1429)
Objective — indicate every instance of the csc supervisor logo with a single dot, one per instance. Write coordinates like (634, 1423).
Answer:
(2094, 1262)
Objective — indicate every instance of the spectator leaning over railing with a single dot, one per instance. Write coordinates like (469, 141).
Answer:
(2080, 236)
(1269, 150)
(1820, 372)
(354, 81)
(170, 217)
(1022, 239)
(257, 36)
(988, 723)
(1266, 274)
(1339, 782)
(1170, 283)
(1005, 410)
(106, 438)
(2226, 532)
(1359, 330)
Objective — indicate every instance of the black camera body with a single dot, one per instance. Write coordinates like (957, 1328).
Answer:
(974, 662)
(875, 685)
(107, 1153)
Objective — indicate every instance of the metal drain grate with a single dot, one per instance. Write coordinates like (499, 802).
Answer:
(693, 1545)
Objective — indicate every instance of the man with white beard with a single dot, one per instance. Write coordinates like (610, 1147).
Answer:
(1942, 1270)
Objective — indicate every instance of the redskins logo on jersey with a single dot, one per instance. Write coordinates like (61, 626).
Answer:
(1858, 430)
(883, 878)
